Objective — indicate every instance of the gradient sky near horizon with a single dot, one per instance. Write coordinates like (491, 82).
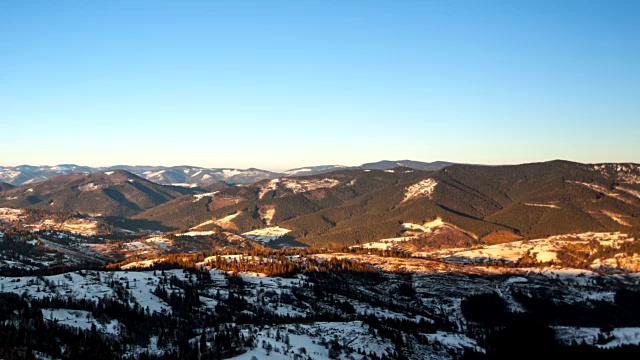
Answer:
(283, 84)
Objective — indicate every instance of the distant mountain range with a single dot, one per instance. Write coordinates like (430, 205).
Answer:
(191, 176)
(175, 175)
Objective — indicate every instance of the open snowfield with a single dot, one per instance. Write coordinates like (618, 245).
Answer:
(439, 289)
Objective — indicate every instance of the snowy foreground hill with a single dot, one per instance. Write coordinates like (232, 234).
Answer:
(323, 306)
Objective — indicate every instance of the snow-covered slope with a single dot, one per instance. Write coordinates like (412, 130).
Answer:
(296, 185)
(420, 189)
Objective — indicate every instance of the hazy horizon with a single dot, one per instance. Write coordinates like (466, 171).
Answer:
(296, 167)
(276, 86)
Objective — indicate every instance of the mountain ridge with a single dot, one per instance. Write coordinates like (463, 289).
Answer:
(110, 193)
(190, 176)
(352, 206)
(355, 206)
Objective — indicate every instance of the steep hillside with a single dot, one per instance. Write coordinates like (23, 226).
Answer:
(111, 193)
(542, 199)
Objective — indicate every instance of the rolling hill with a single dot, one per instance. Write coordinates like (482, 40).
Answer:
(475, 203)
(111, 193)
(271, 201)
(544, 198)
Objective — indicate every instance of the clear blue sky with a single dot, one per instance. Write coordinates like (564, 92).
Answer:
(281, 84)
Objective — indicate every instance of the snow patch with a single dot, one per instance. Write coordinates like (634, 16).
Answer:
(385, 244)
(297, 171)
(141, 264)
(297, 185)
(198, 197)
(589, 335)
(552, 206)
(89, 187)
(427, 227)
(420, 189)
(630, 191)
(616, 217)
(454, 340)
(227, 221)
(160, 241)
(231, 172)
(271, 186)
(266, 235)
(268, 215)
(157, 174)
(185, 185)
